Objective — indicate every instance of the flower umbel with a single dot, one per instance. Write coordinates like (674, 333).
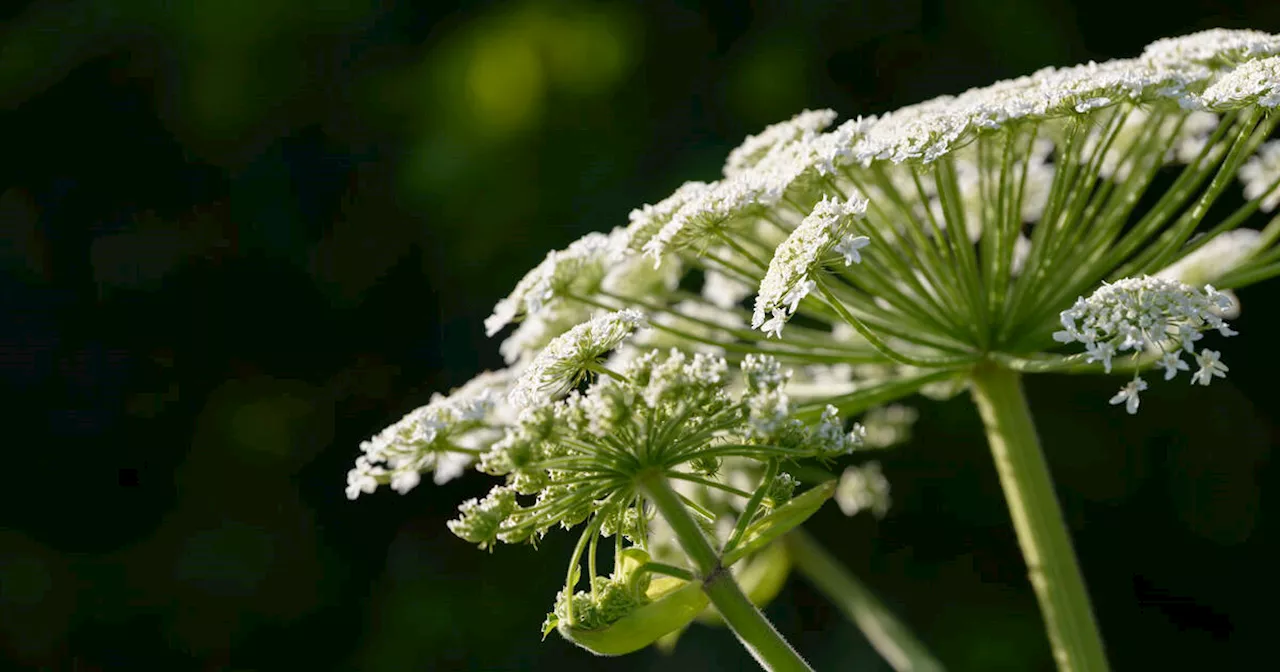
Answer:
(974, 220)
(1147, 315)
(568, 357)
(443, 437)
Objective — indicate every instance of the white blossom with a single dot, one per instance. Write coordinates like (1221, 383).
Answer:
(646, 221)
(832, 440)
(1212, 46)
(1145, 314)
(929, 130)
(1142, 313)
(427, 438)
(1128, 395)
(579, 268)
(1172, 363)
(1210, 367)
(569, 356)
(712, 212)
(1251, 83)
(756, 147)
(828, 227)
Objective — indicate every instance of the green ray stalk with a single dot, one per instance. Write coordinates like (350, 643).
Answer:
(756, 633)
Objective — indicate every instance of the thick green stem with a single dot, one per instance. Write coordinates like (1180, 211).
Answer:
(755, 632)
(1037, 518)
(890, 637)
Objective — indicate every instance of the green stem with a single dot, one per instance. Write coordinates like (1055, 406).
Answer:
(891, 638)
(755, 632)
(1037, 518)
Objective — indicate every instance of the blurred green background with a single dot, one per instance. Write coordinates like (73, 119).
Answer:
(238, 237)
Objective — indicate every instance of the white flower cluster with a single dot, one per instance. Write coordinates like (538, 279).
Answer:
(1148, 314)
(571, 355)
(645, 222)
(429, 439)
(1251, 83)
(930, 130)
(1261, 176)
(481, 520)
(1211, 47)
(1171, 70)
(664, 410)
(581, 265)
(828, 229)
(863, 488)
(713, 211)
(756, 147)
(769, 414)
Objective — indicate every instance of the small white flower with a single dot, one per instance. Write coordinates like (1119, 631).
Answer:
(363, 479)
(1101, 352)
(848, 248)
(832, 440)
(1210, 367)
(1128, 395)
(1172, 363)
(404, 481)
(772, 327)
(715, 210)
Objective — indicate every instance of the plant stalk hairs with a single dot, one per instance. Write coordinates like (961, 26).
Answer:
(673, 384)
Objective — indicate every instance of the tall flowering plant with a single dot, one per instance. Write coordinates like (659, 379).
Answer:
(671, 383)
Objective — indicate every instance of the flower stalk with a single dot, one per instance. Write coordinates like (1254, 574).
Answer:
(1037, 519)
(756, 633)
(890, 637)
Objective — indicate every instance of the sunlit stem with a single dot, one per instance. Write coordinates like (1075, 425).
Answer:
(1042, 533)
(570, 580)
(890, 637)
(755, 632)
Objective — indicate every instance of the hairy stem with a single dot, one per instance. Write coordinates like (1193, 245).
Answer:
(1037, 518)
(755, 632)
(891, 638)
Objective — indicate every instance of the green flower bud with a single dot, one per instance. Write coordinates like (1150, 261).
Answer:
(481, 520)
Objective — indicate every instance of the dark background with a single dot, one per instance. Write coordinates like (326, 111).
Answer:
(238, 237)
